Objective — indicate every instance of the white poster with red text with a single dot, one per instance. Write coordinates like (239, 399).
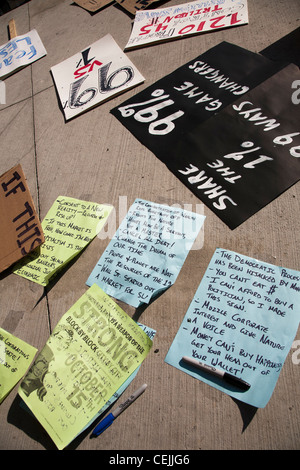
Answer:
(94, 75)
(187, 19)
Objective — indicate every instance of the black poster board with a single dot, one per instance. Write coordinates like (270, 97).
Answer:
(248, 154)
(286, 49)
(160, 115)
(226, 125)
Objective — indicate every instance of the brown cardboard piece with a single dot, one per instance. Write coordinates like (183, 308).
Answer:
(93, 5)
(20, 228)
(134, 5)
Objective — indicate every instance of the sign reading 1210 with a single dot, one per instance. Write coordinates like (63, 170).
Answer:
(93, 76)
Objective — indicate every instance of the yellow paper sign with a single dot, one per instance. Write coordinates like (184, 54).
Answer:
(15, 359)
(68, 227)
(92, 351)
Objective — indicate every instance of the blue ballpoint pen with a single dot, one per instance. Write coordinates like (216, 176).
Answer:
(109, 419)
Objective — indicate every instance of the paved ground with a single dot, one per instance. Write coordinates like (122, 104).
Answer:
(95, 158)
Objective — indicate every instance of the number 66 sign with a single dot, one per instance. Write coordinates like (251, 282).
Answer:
(94, 75)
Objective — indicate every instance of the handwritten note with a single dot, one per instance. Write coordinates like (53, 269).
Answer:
(147, 252)
(184, 20)
(20, 229)
(20, 51)
(94, 75)
(15, 358)
(69, 226)
(242, 320)
(92, 351)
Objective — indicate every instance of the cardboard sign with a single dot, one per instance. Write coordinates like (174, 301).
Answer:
(93, 350)
(20, 228)
(94, 75)
(92, 5)
(176, 104)
(242, 320)
(20, 51)
(134, 5)
(184, 20)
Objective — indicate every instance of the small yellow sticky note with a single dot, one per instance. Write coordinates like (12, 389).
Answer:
(68, 227)
(15, 358)
(92, 351)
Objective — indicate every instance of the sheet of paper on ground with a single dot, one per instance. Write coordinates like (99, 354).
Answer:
(151, 333)
(20, 229)
(147, 252)
(94, 75)
(15, 358)
(242, 320)
(20, 51)
(69, 226)
(93, 350)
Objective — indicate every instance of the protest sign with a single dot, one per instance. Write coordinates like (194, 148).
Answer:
(20, 51)
(242, 320)
(93, 350)
(147, 252)
(285, 49)
(20, 228)
(15, 358)
(172, 107)
(94, 75)
(223, 124)
(178, 21)
(248, 154)
(69, 226)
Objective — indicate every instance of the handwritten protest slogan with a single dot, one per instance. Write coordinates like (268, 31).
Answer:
(20, 229)
(69, 226)
(224, 124)
(94, 75)
(256, 157)
(20, 51)
(172, 107)
(185, 20)
(15, 358)
(93, 349)
(242, 320)
(147, 252)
